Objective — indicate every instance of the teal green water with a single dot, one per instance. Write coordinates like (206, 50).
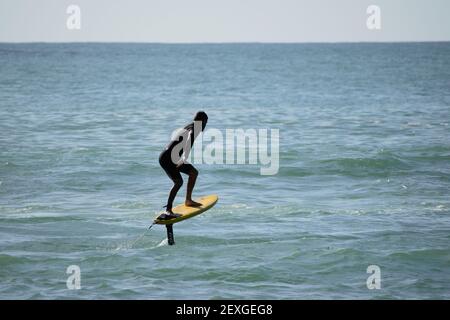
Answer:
(364, 173)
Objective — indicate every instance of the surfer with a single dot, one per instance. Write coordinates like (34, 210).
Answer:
(174, 161)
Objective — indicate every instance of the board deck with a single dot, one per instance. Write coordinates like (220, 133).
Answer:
(188, 212)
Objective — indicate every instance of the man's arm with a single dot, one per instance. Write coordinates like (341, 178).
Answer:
(187, 145)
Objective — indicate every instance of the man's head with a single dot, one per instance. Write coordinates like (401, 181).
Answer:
(203, 117)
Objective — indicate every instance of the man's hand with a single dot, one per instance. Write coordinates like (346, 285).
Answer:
(179, 164)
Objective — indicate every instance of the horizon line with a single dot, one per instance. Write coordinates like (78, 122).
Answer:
(224, 42)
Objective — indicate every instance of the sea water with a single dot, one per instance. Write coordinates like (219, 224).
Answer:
(363, 179)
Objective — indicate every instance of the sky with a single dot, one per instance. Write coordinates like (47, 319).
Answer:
(187, 21)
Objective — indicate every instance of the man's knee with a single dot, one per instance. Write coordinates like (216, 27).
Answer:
(194, 172)
(178, 183)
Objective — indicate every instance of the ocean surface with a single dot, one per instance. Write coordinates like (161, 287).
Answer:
(364, 175)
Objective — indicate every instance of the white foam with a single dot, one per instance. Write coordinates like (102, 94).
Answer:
(165, 242)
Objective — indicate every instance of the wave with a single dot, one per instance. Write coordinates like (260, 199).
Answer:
(6, 260)
(379, 165)
(423, 254)
(364, 165)
(39, 219)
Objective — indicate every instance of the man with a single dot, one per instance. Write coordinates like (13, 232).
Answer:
(174, 162)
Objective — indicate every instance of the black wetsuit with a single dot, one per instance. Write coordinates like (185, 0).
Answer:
(186, 138)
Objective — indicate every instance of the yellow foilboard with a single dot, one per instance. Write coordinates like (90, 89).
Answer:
(188, 212)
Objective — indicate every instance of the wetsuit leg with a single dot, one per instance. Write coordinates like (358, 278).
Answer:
(193, 173)
(174, 174)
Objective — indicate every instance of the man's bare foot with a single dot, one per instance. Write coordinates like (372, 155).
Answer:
(192, 203)
(168, 215)
(168, 210)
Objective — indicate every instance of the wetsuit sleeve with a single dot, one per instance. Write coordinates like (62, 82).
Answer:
(187, 146)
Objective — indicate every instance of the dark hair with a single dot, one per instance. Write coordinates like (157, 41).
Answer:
(203, 117)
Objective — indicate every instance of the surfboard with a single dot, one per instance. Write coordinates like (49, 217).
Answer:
(188, 212)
